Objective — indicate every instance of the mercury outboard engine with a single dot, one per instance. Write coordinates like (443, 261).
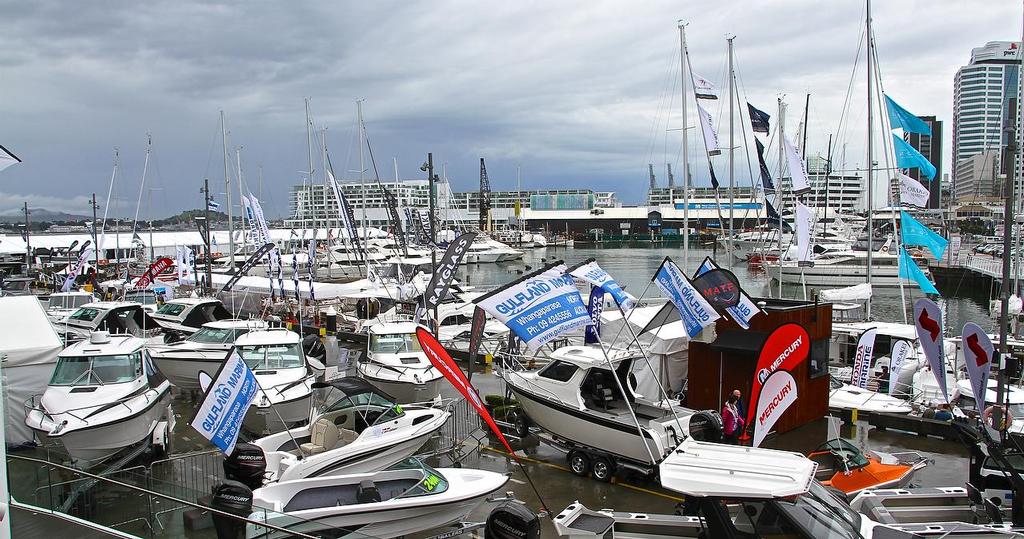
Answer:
(706, 426)
(235, 498)
(313, 348)
(247, 464)
(512, 521)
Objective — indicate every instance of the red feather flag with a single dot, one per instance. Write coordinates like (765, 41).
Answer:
(443, 362)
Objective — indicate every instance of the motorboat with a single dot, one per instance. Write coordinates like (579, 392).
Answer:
(60, 305)
(456, 325)
(285, 376)
(148, 298)
(396, 502)
(843, 466)
(843, 352)
(181, 361)
(114, 317)
(105, 395)
(736, 491)
(964, 401)
(576, 398)
(187, 315)
(848, 397)
(395, 363)
(844, 268)
(357, 429)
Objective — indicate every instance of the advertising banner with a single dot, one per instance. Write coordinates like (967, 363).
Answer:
(900, 352)
(220, 414)
(778, 394)
(978, 352)
(695, 311)
(928, 319)
(785, 348)
(743, 311)
(592, 273)
(443, 276)
(862, 360)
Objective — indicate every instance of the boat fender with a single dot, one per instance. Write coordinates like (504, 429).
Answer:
(234, 498)
(247, 464)
(512, 521)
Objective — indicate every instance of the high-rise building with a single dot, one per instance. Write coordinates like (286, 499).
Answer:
(984, 92)
(976, 177)
(930, 147)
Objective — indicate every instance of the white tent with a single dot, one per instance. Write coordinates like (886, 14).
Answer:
(28, 352)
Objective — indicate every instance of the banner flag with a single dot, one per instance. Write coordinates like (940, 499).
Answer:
(212, 204)
(428, 231)
(908, 270)
(186, 265)
(220, 414)
(908, 157)
(978, 353)
(928, 320)
(912, 192)
(311, 264)
(592, 332)
(73, 273)
(862, 361)
(703, 88)
(695, 311)
(444, 363)
(444, 275)
(900, 352)
(538, 306)
(396, 221)
(778, 394)
(665, 315)
(345, 214)
(915, 233)
(785, 348)
(804, 223)
(774, 219)
(247, 265)
(720, 287)
(590, 272)
(476, 335)
(797, 168)
(710, 136)
(7, 158)
(743, 311)
(901, 118)
(250, 216)
(766, 177)
(758, 121)
(295, 275)
(154, 269)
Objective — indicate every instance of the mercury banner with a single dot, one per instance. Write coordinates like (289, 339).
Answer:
(928, 321)
(778, 395)
(695, 311)
(539, 306)
(219, 416)
(784, 349)
(978, 352)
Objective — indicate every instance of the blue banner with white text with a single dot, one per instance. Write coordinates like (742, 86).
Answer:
(694, 311)
(220, 415)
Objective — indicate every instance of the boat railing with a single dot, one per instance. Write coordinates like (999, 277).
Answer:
(33, 403)
(460, 435)
(141, 500)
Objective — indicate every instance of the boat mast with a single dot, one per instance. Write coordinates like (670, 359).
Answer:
(732, 147)
(309, 155)
(780, 199)
(686, 157)
(227, 189)
(870, 167)
(362, 178)
(241, 205)
(142, 186)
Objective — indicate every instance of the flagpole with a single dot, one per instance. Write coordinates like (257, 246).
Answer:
(685, 150)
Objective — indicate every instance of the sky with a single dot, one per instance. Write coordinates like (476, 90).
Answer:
(577, 94)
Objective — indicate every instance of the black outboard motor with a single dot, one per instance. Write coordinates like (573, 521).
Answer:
(313, 348)
(235, 498)
(247, 464)
(706, 426)
(512, 521)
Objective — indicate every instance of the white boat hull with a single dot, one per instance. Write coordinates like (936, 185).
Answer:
(182, 368)
(405, 390)
(277, 417)
(835, 276)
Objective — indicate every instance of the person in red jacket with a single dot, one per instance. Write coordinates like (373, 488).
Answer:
(732, 423)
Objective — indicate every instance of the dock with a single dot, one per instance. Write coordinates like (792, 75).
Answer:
(902, 422)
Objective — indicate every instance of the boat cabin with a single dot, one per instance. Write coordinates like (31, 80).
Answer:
(186, 315)
(114, 317)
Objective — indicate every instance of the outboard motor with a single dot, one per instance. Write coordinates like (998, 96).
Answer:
(235, 498)
(247, 464)
(313, 348)
(512, 521)
(706, 426)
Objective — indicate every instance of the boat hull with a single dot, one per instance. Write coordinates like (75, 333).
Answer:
(182, 368)
(278, 416)
(404, 392)
(834, 276)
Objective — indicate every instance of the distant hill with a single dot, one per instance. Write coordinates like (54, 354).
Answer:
(40, 215)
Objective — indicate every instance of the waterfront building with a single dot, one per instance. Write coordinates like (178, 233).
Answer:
(976, 177)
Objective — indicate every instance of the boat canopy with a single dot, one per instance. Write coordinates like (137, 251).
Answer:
(353, 386)
(705, 469)
(860, 292)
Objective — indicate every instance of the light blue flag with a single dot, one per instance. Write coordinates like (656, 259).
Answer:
(909, 270)
(914, 233)
(901, 118)
(908, 157)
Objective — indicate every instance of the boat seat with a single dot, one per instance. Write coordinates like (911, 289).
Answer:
(346, 436)
(602, 396)
(367, 492)
(323, 437)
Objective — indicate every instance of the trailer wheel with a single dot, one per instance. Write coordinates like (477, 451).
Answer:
(520, 424)
(602, 469)
(579, 463)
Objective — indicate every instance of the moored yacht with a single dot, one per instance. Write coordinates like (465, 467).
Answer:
(60, 305)
(395, 363)
(203, 351)
(114, 317)
(844, 268)
(186, 315)
(105, 395)
(285, 377)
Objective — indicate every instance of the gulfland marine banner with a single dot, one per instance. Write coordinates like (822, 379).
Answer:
(592, 273)
(743, 311)
(443, 276)
(538, 307)
(695, 311)
(219, 417)
(248, 265)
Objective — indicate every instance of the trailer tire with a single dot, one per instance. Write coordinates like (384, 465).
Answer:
(579, 463)
(602, 469)
(520, 424)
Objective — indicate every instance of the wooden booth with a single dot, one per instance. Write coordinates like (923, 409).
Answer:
(730, 361)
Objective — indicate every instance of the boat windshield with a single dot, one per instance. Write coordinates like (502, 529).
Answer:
(394, 343)
(171, 309)
(145, 298)
(432, 483)
(97, 370)
(821, 514)
(207, 335)
(846, 452)
(69, 301)
(272, 356)
(370, 405)
(85, 314)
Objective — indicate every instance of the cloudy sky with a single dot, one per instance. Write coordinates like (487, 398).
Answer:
(579, 94)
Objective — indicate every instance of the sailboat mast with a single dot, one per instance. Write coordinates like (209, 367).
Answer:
(227, 189)
(780, 199)
(362, 177)
(732, 147)
(309, 155)
(241, 205)
(871, 166)
(686, 157)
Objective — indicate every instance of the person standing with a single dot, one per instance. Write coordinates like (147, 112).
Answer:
(739, 403)
(883, 380)
(732, 423)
